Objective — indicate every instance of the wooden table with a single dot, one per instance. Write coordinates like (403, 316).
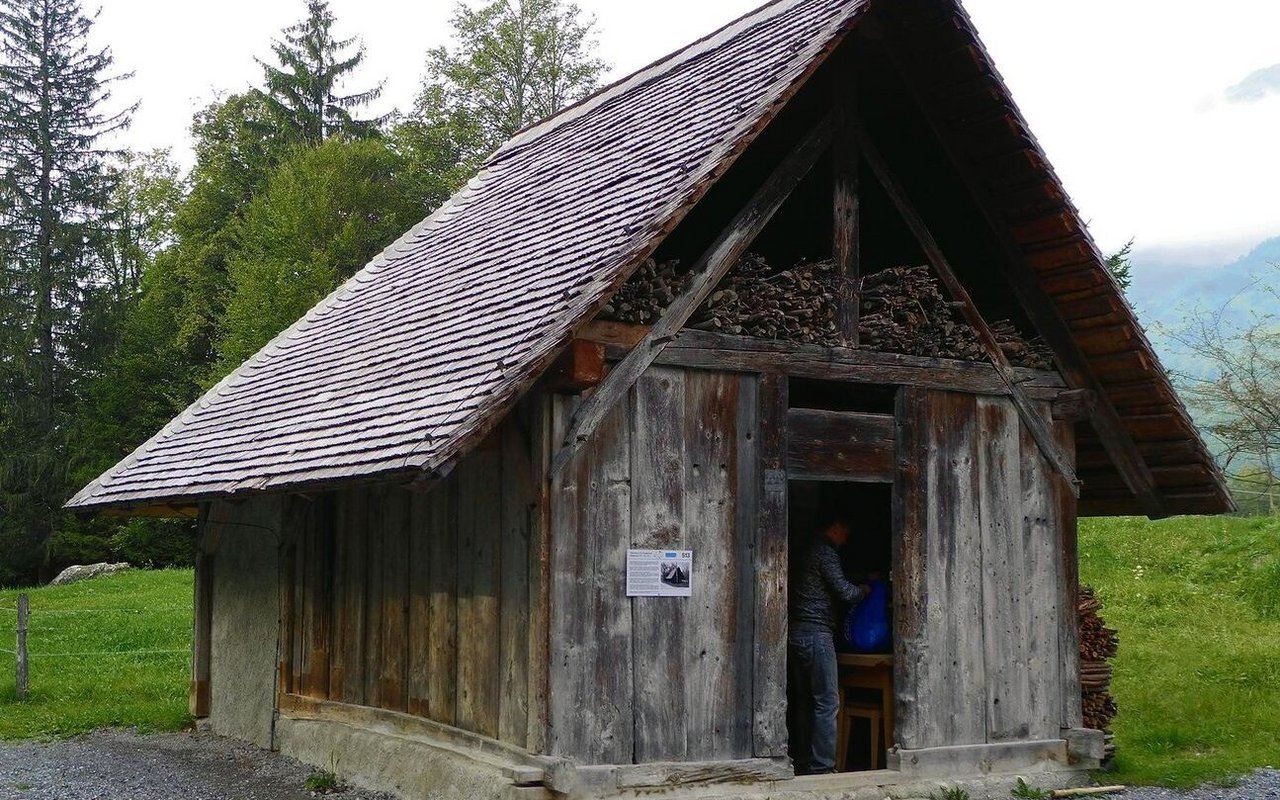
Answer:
(870, 671)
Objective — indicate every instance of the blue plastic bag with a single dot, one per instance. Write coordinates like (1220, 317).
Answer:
(866, 626)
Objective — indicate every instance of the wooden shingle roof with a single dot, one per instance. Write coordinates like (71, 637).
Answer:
(397, 370)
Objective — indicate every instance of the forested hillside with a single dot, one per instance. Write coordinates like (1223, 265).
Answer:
(129, 285)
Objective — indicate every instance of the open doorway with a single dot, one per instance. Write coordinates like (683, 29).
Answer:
(864, 718)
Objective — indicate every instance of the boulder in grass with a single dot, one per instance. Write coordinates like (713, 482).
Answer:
(83, 572)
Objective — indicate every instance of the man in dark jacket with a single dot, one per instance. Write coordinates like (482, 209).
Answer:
(819, 592)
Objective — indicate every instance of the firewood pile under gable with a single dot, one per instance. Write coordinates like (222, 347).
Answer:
(902, 309)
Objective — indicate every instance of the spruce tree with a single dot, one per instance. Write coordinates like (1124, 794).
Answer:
(54, 192)
(302, 91)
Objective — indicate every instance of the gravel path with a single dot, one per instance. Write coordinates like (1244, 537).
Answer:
(122, 765)
(1261, 785)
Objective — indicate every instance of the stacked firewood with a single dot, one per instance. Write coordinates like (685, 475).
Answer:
(648, 292)
(903, 309)
(796, 304)
(1098, 644)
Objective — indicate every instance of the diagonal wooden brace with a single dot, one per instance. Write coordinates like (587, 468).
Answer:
(707, 272)
(1031, 417)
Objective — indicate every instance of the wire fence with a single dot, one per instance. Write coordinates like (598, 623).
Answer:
(49, 634)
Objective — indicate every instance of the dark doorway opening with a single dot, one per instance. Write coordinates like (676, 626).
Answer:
(864, 721)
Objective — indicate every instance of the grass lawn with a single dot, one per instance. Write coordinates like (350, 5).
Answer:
(1197, 603)
(70, 694)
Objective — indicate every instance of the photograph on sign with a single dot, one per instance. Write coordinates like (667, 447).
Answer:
(659, 573)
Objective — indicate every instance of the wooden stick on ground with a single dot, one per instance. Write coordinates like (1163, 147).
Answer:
(1089, 790)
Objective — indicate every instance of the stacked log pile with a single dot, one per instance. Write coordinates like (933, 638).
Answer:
(648, 292)
(1098, 644)
(902, 310)
(796, 305)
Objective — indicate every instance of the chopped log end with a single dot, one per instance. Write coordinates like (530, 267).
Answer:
(902, 310)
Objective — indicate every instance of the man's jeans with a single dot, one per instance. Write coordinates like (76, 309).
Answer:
(815, 699)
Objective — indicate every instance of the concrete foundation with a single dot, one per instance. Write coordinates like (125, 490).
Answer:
(244, 541)
(386, 762)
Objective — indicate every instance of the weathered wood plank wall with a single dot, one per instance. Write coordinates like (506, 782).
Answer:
(421, 602)
(677, 465)
(980, 576)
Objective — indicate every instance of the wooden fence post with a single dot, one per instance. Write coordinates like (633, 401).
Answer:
(24, 608)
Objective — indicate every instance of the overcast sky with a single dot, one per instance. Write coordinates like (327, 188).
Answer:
(1161, 116)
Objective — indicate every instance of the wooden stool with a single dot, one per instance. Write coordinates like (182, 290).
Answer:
(849, 711)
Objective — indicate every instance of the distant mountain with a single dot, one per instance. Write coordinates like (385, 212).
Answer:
(1165, 293)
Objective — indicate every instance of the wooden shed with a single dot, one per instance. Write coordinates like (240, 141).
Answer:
(418, 505)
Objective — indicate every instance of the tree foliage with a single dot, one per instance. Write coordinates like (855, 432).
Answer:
(55, 110)
(1120, 265)
(304, 90)
(323, 215)
(515, 62)
(1235, 387)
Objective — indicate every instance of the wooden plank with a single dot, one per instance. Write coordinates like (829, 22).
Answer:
(375, 533)
(518, 500)
(393, 671)
(897, 194)
(721, 351)
(707, 272)
(479, 581)
(21, 658)
(840, 445)
(717, 723)
(913, 656)
(607, 533)
(1043, 312)
(1004, 623)
(1042, 583)
(657, 777)
(1069, 589)
(540, 578)
(746, 518)
(591, 715)
(418, 635)
(566, 737)
(658, 624)
(316, 540)
(846, 223)
(771, 569)
(442, 603)
(954, 574)
(347, 682)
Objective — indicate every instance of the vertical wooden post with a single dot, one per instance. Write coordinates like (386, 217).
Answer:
(202, 631)
(846, 229)
(24, 609)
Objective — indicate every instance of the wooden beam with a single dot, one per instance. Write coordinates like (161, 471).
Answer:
(1104, 418)
(840, 445)
(707, 272)
(846, 225)
(1026, 409)
(579, 367)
